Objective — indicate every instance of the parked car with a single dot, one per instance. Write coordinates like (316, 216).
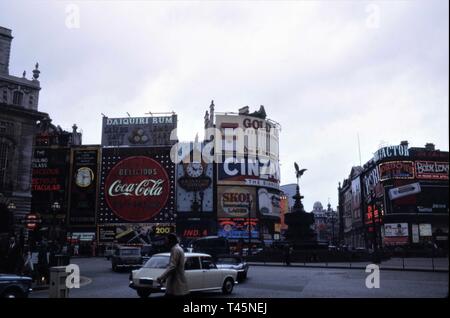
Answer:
(14, 286)
(126, 257)
(201, 272)
(211, 245)
(253, 251)
(233, 262)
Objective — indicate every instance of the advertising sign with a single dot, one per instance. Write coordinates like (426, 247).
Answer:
(249, 172)
(269, 203)
(391, 152)
(256, 128)
(236, 202)
(396, 170)
(356, 194)
(137, 186)
(430, 199)
(238, 228)
(404, 191)
(137, 233)
(196, 228)
(371, 180)
(425, 230)
(415, 233)
(49, 169)
(83, 186)
(138, 131)
(50, 176)
(193, 187)
(395, 229)
(432, 170)
(396, 233)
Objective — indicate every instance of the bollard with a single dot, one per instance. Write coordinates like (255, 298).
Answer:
(58, 288)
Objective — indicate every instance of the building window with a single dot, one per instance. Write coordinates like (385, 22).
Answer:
(17, 98)
(4, 152)
(5, 96)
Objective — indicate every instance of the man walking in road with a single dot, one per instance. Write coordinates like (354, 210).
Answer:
(176, 285)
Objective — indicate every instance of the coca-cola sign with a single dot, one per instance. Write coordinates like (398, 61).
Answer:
(137, 188)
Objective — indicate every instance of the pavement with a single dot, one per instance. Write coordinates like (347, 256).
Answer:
(269, 281)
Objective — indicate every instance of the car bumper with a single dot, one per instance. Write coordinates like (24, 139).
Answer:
(152, 289)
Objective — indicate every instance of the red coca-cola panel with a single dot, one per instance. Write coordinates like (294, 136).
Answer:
(137, 188)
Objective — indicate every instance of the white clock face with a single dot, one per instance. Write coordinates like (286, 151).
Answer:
(84, 177)
(194, 169)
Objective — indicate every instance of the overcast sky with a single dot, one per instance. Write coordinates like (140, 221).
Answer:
(325, 70)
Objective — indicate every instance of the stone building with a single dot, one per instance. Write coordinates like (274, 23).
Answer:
(19, 97)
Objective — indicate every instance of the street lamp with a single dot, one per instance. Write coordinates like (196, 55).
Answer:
(249, 251)
(11, 208)
(56, 206)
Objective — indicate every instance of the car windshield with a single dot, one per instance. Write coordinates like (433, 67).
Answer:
(228, 260)
(157, 262)
(130, 251)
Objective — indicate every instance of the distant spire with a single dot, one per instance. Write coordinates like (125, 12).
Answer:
(211, 113)
(206, 119)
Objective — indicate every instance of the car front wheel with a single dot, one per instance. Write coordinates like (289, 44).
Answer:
(12, 294)
(143, 293)
(227, 287)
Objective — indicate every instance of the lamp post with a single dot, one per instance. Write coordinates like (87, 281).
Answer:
(11, 208)
(56, 206)
(249, 251)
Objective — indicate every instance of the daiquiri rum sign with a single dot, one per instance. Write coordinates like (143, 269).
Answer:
(137, 188)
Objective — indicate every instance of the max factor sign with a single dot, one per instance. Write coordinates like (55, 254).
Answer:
(390, 152)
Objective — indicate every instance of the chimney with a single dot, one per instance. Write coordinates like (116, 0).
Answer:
(404, 143)
(5, 49)
(429, 146)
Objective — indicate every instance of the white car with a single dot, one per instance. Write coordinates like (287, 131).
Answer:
(201, 275)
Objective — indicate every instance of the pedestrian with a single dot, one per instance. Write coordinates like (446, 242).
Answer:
(28, 267)
(176, 285)
(43, 262)
(13, 257)
(287, 254)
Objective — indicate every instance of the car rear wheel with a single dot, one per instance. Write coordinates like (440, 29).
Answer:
(143, 293)
(227, 287)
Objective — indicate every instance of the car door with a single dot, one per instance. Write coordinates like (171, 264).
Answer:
(193, 273)
(212, 277)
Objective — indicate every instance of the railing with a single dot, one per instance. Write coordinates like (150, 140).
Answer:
(427, 260)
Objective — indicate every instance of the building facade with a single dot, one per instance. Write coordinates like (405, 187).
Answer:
(247, 174)
(19, 97)
(326, 224)
(402, 198)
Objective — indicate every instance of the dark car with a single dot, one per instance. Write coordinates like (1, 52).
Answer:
(212, 245)
(233, 262)
(126, 257)
(14, 286)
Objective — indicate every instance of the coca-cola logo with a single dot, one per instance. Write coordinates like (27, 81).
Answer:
(137, 188)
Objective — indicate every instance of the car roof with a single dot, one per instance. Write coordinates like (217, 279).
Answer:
(186, 254)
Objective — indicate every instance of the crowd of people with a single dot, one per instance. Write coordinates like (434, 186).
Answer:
(33, 261)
